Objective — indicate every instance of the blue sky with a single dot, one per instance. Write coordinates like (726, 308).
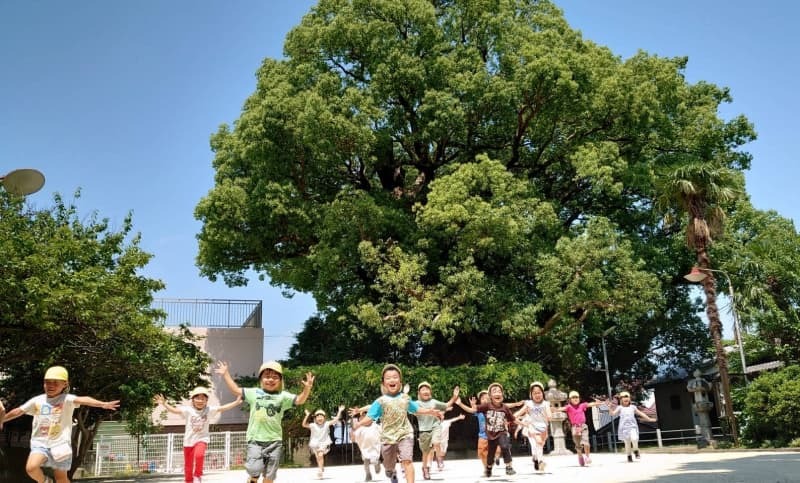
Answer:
(119, 99)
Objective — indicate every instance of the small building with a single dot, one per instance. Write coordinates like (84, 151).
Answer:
(228, 330)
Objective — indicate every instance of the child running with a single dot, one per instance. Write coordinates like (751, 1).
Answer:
(483, 441)
(442, 451)
(368, 439)
(538, 415)
(430, 427)
(397, 434)
(576, 412)
(197, 435)
(628, 426)
(498, 418)
(51, 433)
(320, 440)
(267, 403)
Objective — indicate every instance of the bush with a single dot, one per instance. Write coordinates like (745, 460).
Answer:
(771, 414)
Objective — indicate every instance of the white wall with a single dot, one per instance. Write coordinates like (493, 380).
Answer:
(242, 348)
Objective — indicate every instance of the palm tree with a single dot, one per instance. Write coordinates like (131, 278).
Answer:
(701, 189)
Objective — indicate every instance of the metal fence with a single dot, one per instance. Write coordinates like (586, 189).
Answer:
(213, 313)
(161, 453)
(659, 438)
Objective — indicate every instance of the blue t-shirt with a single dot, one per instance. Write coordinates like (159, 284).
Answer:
(481, 425)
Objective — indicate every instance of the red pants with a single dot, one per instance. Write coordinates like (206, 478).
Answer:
(193, 458)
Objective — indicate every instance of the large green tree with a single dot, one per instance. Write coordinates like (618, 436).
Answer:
(71, 294)
(466, 177)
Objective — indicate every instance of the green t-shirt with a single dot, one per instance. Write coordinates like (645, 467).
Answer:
(427, 422)
(266, 413)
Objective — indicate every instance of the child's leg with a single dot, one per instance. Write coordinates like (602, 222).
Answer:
(389, 452)
(627, 446)
(188, 463)
(199, 458)
(61, 476)
(505, 448)
(405, 450)
(34, 466)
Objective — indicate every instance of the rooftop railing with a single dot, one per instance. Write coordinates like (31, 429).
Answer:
(210, 313)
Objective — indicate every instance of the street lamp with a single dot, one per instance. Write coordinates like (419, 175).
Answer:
(697, 275)
(22, 182)
(608, 380)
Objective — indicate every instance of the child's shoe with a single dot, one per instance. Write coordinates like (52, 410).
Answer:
(630, 459)
(426, 473)
(440, 463)
(541, 466)
(378, 467)
(497, 461)
(636, 453)
(319, 474)
(487, 472)
(536, 464)
(510, 471)
(580, 459)
(588, 460)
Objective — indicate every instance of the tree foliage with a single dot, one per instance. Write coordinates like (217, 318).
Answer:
(71, 295)
(468, 180)
(772, 408)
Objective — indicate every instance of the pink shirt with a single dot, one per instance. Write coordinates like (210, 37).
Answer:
(576, 414)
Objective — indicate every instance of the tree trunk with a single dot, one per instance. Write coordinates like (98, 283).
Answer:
(715, 327)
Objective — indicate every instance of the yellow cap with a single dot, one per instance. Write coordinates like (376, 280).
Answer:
(536, 384)
(624, 394)
(423, 384)
(57, 373)
(272, 365)
(318, 412)
(573, 394)
(198, 391)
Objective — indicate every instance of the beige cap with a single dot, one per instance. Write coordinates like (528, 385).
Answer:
(198, 391)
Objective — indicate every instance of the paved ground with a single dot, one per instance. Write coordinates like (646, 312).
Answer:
(699, 467)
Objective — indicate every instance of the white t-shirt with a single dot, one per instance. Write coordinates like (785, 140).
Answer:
(537, 414)
(320, 435)
(52, 419)
(197, 423)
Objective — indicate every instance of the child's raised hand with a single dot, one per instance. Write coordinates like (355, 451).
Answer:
(307, 412)
(222, 368)
(473, 400)
(110, 405)
(341, 407)
(456, 391)
(308, 381)
(159, 399)
(406, 388)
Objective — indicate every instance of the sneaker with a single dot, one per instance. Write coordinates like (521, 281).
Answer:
(497, 461)
(536, 465)
(630, 459)
(510, 471)
(580, 460)
(426, 473)
(588, 460)
(636, 454)
(394, 478)
(319, 474)
(197, 479)
(440, 463)
(487, 472)
(541, 466)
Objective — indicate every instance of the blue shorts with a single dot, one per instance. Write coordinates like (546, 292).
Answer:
(63, 465)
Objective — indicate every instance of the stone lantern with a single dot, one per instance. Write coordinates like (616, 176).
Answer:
(556, 398)
(701, 406)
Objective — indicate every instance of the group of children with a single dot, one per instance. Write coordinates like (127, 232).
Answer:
(381, 430)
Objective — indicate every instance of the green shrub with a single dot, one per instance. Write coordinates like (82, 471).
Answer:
(771, 413)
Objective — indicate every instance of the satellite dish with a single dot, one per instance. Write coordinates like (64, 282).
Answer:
(23, 182)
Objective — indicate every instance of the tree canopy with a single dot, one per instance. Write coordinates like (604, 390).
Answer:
(71, 295)
(469, 180)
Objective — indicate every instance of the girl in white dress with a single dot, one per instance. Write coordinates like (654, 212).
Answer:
(534, 417)
(320, 441)
(628, 425)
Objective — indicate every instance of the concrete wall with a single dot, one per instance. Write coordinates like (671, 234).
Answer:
(243, 349)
